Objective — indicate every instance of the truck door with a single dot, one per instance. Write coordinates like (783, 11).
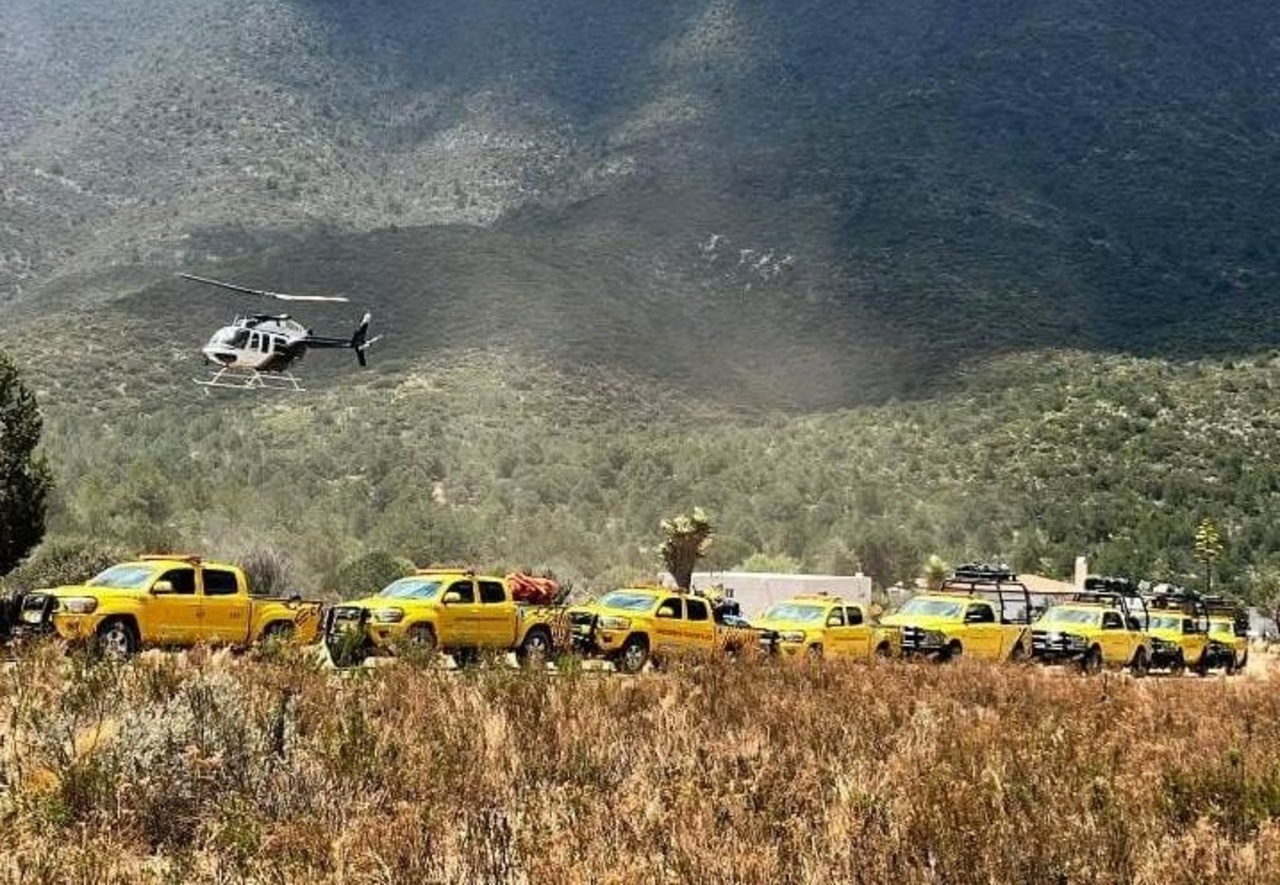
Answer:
(835, 635)
(1117, 642)
(699, 627)
(174, 610)
(226, 609)
(496, 621)
(859, 631)
(459, 617)
(982, 632)
(668, 623)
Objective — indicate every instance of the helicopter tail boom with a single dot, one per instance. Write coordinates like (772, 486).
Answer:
(359, 340)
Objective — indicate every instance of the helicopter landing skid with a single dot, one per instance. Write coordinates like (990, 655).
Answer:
(239, 379)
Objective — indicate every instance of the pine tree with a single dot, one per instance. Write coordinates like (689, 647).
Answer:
(25, 480)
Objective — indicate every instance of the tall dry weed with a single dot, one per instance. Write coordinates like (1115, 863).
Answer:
(208, 769)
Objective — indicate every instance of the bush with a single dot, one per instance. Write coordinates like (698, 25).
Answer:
(370, 573)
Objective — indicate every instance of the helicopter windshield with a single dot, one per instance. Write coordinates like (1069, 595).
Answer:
(229, 335)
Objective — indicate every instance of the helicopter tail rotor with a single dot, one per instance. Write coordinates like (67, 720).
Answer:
(360, 339)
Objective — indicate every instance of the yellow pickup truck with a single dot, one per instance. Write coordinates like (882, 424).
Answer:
(818, 624)
(165, 600)
(980, 611)
(1104, 625)
(634, 624)
(449, 610)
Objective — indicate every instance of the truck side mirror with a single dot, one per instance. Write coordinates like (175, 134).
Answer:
(451, 597)
(160, 588)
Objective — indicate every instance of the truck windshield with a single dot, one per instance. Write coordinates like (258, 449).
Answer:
(935, 608)
(632, 602)
(786, 611)
(1070, 616)
(411, 588)
(1225, 625)
(123, 577)
(1165, 622)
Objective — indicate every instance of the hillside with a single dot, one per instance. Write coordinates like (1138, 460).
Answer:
(1034, 174)
(868, 281)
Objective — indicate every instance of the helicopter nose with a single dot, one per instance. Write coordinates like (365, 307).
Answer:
(218, 353)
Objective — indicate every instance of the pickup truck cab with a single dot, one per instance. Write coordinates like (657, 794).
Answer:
(449, 610)
(166, 600)
(631, 625)
(818, 624)
(981, 611)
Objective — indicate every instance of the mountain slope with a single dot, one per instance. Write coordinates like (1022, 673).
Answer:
(941, 177)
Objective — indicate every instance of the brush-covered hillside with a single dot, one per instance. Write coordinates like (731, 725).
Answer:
(624, 252)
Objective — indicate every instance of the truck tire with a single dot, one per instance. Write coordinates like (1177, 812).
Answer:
(953, 650)
(1091, 663)
(277, 631)
(117, 639)
(535, 650)
(1140, 663)
(1017, 654)
(815, 652)
(633, 655)
(884, 651)
(422, 636)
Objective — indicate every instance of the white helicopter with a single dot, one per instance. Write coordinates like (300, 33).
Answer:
(257, 351)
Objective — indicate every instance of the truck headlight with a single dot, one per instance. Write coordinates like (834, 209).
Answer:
(79, 605)
(613, 622)
(387, 615)
(1075, 642)
(792, 636)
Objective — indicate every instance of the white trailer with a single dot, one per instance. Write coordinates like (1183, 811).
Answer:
(756, 591)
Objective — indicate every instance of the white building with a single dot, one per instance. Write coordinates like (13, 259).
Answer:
(756, 591)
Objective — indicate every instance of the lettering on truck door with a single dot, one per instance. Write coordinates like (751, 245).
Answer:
(174, 613)
(497, 620)
(226, 611)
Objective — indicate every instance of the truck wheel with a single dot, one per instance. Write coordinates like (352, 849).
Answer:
(422, 637)
(815, 652)
(1018, 654)
(1140, 664)
(277, 631)
(884, 651)
(952, 651)
(535, 649)
(633, 655)
(117, 639)
(1091, 663)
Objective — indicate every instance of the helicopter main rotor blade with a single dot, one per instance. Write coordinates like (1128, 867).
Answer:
(283, 296)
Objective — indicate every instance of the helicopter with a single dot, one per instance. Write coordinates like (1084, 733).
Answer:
(258, 350)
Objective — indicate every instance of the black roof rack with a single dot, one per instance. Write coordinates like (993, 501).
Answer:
(1108, 584)
(974, 572)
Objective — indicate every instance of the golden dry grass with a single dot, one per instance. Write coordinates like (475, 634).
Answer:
(214, 769)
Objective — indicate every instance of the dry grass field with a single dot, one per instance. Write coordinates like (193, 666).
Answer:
(269, 768)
